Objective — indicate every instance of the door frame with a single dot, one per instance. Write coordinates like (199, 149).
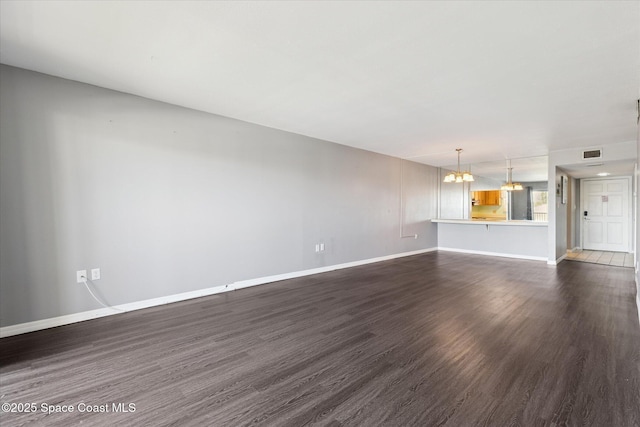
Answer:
(630, 203)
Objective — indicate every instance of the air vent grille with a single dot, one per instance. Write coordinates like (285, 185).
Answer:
(592, 154)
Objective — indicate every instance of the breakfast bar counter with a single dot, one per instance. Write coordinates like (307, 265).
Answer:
(507, 238)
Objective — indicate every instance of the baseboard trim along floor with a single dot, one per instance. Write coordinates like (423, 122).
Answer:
(498, 254)
(53, 322)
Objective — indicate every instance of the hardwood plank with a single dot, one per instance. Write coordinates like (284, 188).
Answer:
(434, 339)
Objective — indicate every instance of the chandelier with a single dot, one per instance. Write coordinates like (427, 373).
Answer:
(458, 176)
(510, 185)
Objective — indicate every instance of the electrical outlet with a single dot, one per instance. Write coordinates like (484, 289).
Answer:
(317, 247)
(321, 247)
(81, 276)
(95, 274)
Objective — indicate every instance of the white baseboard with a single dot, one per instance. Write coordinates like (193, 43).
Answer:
(557, 261)
(67, 319)
(53, 322)
(278, 277)
(498, 254)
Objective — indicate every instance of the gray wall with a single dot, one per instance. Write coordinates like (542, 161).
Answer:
(453, 199)
(520, 206)
(636, 215)
(168, 200)
(561, 218)
(509, 240)
(574, 240)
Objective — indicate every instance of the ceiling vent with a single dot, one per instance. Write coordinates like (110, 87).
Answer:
(592, 154)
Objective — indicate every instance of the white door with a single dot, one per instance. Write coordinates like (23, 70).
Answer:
(606, 214)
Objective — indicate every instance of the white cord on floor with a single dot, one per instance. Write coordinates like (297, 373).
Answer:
(84, 280)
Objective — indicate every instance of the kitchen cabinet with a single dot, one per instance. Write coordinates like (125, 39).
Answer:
(486, 198)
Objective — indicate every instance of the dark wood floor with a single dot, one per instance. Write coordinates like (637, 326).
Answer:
(429, 340)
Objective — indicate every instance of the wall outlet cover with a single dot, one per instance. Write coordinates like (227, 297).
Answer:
(81, 276)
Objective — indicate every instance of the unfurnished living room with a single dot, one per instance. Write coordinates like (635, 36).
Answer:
(345, 213)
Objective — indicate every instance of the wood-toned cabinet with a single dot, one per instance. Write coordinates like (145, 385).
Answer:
(486, 198)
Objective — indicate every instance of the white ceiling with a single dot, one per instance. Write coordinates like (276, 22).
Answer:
(409, 79)
(528, 169)
(532, 169)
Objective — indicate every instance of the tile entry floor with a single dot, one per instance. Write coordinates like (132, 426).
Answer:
(619, 259)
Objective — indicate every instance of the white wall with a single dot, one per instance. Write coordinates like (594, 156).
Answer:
(167, 200)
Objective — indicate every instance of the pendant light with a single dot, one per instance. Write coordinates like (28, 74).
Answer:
(510, 185)
(458, 176)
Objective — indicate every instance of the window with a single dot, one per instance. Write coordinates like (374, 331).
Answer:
(539, 200)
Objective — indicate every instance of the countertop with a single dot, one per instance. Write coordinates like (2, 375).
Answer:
(499, 222)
